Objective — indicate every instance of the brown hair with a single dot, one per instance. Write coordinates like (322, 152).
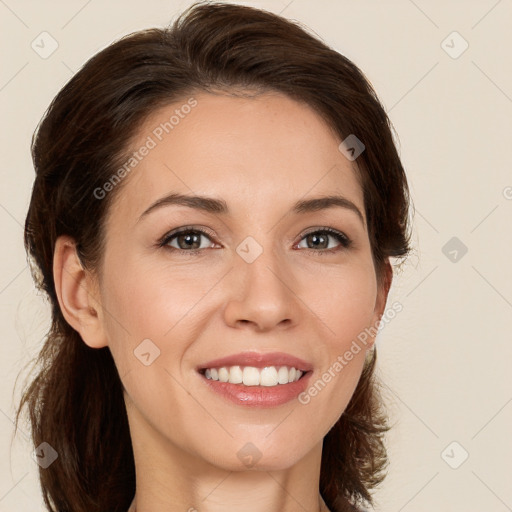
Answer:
(75, 402)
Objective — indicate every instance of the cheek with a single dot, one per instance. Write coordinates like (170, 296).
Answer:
(156, 311)
(149, 302)
(345, 301)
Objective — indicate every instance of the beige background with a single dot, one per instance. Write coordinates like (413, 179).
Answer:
(445, 358)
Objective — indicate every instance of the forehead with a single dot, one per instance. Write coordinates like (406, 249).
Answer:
(259, 152)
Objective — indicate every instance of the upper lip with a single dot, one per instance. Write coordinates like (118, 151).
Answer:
(258, 360)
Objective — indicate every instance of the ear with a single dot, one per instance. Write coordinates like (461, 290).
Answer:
(77, 293)
(383, 286)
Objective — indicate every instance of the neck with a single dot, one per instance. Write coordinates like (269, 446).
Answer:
(322, 506)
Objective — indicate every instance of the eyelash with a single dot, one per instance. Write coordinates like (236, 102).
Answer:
(340, 237)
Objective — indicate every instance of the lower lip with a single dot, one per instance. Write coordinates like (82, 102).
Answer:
(258, 396)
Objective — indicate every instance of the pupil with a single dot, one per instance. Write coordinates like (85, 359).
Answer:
(317, 239)
(190, 240)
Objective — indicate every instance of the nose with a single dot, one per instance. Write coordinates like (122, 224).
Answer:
(262, 294)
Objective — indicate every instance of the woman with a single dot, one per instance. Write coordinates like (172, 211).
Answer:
(212, 219)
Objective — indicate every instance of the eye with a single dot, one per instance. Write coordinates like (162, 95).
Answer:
(186, 240)
(190, 240)
(319, 239)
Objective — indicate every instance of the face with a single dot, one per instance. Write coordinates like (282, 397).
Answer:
(255, 276)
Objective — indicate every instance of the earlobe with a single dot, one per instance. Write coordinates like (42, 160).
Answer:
(76, 293)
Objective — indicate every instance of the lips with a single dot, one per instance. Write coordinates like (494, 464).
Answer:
(258, 360)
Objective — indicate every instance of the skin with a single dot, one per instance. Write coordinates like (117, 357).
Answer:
(261, 155)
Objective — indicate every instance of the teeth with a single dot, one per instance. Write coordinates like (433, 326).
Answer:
(268, 376)
(223, 374)
(251, 376)
(235, 375)
(282, 375)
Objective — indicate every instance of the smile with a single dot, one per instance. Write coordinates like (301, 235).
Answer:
(252, 376)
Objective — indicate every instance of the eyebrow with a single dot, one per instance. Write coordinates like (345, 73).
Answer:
(219, 206)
